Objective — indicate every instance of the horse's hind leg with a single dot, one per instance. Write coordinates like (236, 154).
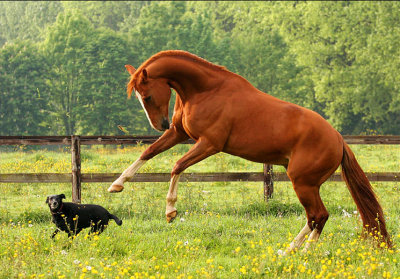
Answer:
(317, 215)
(310, 166)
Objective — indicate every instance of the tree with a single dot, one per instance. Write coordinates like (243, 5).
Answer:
(65, 46)
(105, 101)
(348, 49)
(23, 106)
(88, 77)
(107, 14)
(21, 20)
(155, 29)
(263, 56)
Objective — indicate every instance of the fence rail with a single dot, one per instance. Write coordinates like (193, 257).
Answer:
(164, 177)
(93, 140)
(76, 177)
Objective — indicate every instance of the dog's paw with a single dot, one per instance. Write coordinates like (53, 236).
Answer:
(171, 216)
(115, 188)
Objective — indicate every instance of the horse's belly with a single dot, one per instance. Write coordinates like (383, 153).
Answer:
(260, 156)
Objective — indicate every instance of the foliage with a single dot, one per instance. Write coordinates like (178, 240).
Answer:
(108, 14)
(337, 58)
(348, 48)
(88, 77)
(26, 19)
(23, 95)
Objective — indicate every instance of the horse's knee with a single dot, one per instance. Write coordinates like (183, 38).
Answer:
(178, 169)
(171, 199)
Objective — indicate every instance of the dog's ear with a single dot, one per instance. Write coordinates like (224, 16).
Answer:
(62, 196)
(47, 200)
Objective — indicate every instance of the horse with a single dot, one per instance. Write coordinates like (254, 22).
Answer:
(223, 112)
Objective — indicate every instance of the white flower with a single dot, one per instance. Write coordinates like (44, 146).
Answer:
(182, 219)
(346, 214)
(30, 225)
(280, 252)
(63, 252)
(88, 267)
(186, 243)
(77, 262)
(327, 253)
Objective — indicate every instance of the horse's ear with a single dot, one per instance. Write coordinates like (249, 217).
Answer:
(144, 76)
(130, 69)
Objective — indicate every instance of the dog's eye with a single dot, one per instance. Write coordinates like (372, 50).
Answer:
(147, 99)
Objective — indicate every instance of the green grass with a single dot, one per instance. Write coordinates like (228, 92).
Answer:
(223, 230)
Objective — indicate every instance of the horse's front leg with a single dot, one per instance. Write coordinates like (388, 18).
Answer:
(201, 150)
(170, 138)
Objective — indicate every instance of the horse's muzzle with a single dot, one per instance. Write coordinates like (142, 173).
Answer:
(165, 124)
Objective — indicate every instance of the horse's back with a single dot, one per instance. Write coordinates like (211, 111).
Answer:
(268, 130)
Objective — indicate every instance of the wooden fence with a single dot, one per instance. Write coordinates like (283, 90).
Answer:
(76, 177)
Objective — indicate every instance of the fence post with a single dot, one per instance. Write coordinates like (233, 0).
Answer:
(76, 168)
(268, 182)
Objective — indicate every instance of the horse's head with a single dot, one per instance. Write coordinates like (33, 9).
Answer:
(153, 94)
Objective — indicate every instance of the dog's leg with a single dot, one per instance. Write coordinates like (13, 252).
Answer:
(73, 234)
(55, 233)
(101, 229)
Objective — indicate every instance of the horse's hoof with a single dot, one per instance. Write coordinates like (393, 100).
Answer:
(115, 188)
(171, 216)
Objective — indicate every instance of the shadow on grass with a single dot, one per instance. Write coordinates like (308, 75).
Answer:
(272, 207)
(36, 216)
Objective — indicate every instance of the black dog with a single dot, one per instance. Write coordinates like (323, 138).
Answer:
(72, 218)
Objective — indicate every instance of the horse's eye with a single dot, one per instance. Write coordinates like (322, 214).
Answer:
(147, 99)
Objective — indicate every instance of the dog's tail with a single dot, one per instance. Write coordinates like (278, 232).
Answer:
(118, 221)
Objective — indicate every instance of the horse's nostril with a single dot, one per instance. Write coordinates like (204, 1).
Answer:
(165, 124)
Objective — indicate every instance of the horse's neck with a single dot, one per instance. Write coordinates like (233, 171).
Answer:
(187, 77)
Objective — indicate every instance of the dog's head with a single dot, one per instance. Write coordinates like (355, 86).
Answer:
(55, 201)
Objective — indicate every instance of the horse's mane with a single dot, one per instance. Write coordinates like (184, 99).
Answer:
(175, 53)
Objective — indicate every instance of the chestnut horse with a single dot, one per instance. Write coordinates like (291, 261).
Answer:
(223, 112)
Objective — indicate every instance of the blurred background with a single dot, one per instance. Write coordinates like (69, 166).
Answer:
(62, 63)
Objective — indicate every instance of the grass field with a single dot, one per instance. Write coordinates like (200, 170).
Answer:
(223, 230)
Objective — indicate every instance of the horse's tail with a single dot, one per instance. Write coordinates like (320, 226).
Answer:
(361, 190)
(118, 221)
